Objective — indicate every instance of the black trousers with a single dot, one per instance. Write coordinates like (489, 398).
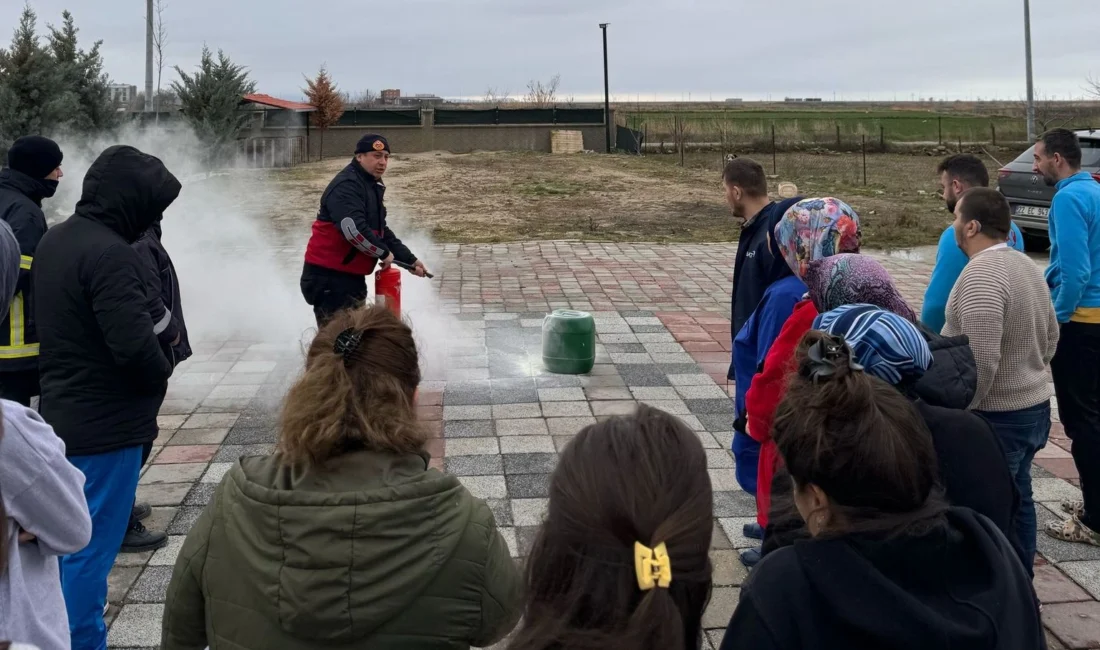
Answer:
(329, 292)
(19, 386)
(1076, 370)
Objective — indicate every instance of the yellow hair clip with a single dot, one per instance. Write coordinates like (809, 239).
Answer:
(653, 566)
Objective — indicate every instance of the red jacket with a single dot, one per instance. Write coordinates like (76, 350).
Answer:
(765, 393)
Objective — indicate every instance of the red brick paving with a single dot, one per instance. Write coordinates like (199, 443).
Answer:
(1077, 625)
(1053, 586)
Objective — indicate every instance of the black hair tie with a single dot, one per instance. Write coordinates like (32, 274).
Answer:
(347, 344)
(826, 354)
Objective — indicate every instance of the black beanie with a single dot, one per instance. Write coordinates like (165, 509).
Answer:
(372, 142)
(35, 156)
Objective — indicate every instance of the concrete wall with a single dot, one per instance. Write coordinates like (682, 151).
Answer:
(340, 140)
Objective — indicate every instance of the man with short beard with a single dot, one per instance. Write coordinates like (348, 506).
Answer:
(958, 174)
(1074, 280)
(33, 172)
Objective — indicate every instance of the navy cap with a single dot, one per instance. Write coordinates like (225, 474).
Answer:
(372, 142)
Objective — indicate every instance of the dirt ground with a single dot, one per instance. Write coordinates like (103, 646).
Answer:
(494, 197)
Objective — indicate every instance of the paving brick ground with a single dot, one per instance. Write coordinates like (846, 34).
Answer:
(499, 420)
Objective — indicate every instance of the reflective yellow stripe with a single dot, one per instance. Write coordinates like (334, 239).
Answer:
(25, 262)
(19, 348)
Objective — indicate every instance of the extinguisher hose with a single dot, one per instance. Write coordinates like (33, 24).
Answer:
(410, 268)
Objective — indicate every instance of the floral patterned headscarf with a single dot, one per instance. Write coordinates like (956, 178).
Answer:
(814, 229)
(852, 279)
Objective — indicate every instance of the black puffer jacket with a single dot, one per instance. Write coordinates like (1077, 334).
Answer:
(953, 378)
(21, 207)
(103, 372)
(165, 298)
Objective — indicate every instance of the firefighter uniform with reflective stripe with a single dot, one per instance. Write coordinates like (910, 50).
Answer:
(20, 207)
(349, 236)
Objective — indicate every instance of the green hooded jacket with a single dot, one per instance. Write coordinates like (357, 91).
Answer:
(371, 550)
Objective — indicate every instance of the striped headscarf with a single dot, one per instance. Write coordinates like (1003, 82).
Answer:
(854, 279)
(814, 229)
(885, 344)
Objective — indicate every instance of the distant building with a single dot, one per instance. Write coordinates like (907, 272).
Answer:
(122, 93)
(813, 99)
(391, 96)
(421, 100)
(734, 100)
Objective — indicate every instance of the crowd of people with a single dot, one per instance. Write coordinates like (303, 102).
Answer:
(889, 454)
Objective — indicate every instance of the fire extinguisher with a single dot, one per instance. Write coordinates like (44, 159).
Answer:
(387, 289)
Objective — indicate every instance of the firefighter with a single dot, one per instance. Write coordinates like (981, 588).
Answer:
(33, 172)
(350, 236)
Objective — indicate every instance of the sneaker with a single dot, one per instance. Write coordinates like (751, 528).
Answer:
(753, 531)
(140, 540)
(1072, 530)
(140, 512)
(751, 557)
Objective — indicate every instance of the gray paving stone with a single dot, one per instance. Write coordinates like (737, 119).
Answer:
(728, 570)
(559, 381)
(152, 586)
(200, 494)
(702, 392)
(642, 320)
(525, 538)
(167, 556)
(514, 396)
(648, 329)
(522, 427)
(1086, 574)
(560, 442)
(509, 535)
(710, 407)
(231, 453)
(1056, 550)
(467, 429)
(647, 375)
(119, 582)
(526, 444)
(663, 348)
(724, 438)
(198, 437)
(653, 393)
(464, 363)
(673, 406)
(215, 472)
(185, 518)
(467, 374)
(618, 339)
(656, 337)
(517, 411)
(180, 473)
(565, 409)
(485, 487)
(715, 636)
(485, 465)
(619, 407)
(1053, 490)
(467, 412)
(635, 348)
(210, 421)
(691, 379)
(543, 463)
(561, 394)
(502, 511)
(719, 458)
(608, 393)
(163, 494)
(679, 360)
(472, 446)
(723, 480)
(708, 440)
(137, 626)
(522, 383)
(631, 358)
(242, 436)
(678, 368)
(718, 539)
(734, 504)
(734, 529)
(466, 398)
(723, 600)
(528, 486)
(568, 426)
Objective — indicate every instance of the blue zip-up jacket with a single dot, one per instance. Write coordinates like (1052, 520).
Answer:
(750, 347)
(1074, 271)
(950, 262)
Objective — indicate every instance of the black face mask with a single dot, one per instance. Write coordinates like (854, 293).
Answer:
(49, 188)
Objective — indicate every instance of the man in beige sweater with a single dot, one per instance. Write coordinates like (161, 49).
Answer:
(1001, 301)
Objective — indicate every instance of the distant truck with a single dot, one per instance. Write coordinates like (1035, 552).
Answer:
(1030, 196)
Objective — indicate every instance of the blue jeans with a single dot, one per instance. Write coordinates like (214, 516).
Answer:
(1022, 434)
(110, 481)
(746, 458)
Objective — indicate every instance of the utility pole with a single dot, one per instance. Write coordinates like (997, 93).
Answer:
(606, 90)
(1030, 80)
(148, 56)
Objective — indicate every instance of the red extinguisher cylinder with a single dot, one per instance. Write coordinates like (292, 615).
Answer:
(387, 289)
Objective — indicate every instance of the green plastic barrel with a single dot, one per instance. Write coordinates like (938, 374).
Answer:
(569, 342)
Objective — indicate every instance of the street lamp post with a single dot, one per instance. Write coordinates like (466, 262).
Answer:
(606, 90)
(148, 56)
(1030, 79)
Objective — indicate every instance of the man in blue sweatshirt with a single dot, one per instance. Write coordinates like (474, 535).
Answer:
(1074, 280)
(958, 174)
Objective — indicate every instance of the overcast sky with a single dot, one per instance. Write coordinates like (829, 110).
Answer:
(857, 49)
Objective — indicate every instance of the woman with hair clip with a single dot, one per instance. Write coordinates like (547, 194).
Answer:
(622, 561)
(889, 564)
(43, 513)
(344, 538)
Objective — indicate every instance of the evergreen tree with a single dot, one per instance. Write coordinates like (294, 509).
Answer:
(33, 98)
(84, 77)
(328, 101)
(210, 100)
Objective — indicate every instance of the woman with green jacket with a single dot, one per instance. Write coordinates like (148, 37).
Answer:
(344, 538)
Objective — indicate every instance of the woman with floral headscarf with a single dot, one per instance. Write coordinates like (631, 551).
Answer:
(810, 230)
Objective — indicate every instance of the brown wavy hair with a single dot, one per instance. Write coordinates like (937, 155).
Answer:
(641, 478)
(361, 399)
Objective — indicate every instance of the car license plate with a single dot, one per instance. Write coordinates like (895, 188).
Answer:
(1032, 211)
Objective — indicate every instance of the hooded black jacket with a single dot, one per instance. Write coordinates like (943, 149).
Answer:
(961, 585)
(21, 207)
(952, 380)
(165, 298)
(103, 373)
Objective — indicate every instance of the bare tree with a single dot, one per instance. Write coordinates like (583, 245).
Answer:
(160, 39)
(542, 95)
(496, 96)
(1054, 114)
(1092, 86)
(361, 99)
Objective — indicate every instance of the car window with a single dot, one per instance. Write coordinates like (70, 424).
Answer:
(1090, 154)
